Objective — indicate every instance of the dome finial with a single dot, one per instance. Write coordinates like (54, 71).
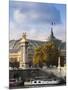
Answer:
(51, 37)
(52, 32)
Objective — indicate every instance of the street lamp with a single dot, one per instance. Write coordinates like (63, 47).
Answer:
(59, 62)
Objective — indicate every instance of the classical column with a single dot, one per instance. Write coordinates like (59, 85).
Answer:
(24, 45)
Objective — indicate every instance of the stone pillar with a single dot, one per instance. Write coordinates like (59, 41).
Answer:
(24, 45)
(59, 66)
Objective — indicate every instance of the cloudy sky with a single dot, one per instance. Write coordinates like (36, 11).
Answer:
(35, 19)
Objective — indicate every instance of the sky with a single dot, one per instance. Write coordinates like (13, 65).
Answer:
(35, 19)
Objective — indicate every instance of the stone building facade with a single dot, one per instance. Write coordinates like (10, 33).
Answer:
(22, 50)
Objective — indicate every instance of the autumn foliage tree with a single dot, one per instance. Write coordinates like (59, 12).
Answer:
(39, 56)
(47, 53)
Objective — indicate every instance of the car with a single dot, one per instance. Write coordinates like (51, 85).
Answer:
(12, 82)
(15, 82)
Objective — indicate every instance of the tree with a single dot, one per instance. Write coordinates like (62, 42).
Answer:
(47, 53)
(39, 56)
(52, 53)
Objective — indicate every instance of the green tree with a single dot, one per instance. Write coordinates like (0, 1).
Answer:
(39, 56)
(47, 53)
(52, 53)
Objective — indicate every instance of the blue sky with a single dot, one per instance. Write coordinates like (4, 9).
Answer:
(35, 19)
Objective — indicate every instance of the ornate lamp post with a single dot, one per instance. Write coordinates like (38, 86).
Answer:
(59, 62)
(59, 66)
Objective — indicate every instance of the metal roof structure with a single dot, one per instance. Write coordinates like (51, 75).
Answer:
(14, 45)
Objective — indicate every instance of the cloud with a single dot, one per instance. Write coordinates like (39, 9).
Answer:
(35, 12)
(35, 20)
(35, 33)
(19, 17)
(60, 32)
